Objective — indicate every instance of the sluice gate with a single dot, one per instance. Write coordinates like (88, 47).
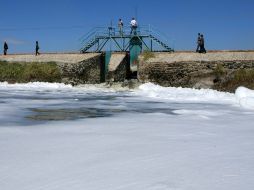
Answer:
(110, 40)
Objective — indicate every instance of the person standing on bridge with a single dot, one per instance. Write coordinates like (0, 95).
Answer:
(134, 26)
(5, 48)
(37, 48)
(120, 26)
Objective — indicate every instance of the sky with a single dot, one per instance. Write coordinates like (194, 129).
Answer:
(59, 24)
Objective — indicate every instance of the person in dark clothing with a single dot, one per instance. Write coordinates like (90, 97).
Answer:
(5, 48)
(198, 42)
(202, 44)
(37, 48)
(120, 26)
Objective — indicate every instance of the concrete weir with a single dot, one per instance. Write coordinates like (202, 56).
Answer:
(80, 68)
(118, 68)
(185, 69)
(222, 70)
(73, 68)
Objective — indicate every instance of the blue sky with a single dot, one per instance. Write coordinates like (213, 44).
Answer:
(226, 24)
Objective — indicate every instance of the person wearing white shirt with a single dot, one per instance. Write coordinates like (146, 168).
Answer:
(134, 25)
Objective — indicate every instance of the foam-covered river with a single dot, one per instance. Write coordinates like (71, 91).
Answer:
(54, 136)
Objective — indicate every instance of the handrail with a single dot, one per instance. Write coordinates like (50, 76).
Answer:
(85, 35)
(89, 33)
(160, 34)
(148, 30)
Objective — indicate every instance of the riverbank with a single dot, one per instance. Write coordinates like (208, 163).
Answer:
(219, 70)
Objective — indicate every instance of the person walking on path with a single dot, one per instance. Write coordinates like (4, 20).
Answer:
(120, 26)
(5, 48)
(198, 42)
(37, 48)
(134, 26)
(202, 44)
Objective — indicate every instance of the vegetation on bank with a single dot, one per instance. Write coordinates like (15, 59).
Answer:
(224, 79)
(229, 82)
(29, 72)
(148, 55)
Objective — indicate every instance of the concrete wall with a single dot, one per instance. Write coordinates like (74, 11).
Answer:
(185, 69)
(86, 71)
(118, 68)
(80, 68)
(192, 69)
(74, 68)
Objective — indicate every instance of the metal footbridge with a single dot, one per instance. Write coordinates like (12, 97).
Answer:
(144, 38)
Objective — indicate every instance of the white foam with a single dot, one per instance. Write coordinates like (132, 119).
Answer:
(199, 148)
(185, 94)
(130, 152)
(103, 87)
(196, 112)
(34, 85)
(245, 97)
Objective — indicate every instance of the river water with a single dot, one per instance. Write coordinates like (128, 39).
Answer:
(55, 136)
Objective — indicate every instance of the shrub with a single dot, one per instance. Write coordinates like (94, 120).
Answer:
(244, 75)
(219, 71)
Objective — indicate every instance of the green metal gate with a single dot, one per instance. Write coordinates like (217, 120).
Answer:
(135, 50)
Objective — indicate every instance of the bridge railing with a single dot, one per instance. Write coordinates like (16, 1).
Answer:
(114, 31)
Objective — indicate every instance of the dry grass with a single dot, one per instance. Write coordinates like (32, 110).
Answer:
(242, 77)
(29, 72)
(148, 55)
